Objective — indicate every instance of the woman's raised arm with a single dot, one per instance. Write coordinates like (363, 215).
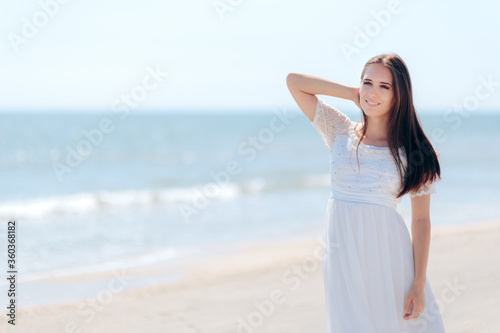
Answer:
(305, 87)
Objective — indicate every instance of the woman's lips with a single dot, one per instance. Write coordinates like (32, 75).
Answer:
(371, 104)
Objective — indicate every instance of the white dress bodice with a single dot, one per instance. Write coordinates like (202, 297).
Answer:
(376, 180)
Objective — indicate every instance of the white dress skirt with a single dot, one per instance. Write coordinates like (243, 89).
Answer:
(368, 263)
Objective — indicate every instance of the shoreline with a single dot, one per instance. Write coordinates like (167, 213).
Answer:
(160, 272)
(220, 292)
(178, 270)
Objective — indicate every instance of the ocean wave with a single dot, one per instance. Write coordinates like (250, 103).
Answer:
(85, 203)
(88, 202)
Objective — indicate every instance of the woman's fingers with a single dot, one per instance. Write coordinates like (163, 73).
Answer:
(408, 301)
(418, 307)
(417, 311)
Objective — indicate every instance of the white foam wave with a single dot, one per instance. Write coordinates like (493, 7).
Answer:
(84, 203)
(88, 202)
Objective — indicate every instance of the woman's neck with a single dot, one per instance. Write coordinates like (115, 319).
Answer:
(376, 133)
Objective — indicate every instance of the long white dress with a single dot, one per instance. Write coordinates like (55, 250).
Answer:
(368, 262)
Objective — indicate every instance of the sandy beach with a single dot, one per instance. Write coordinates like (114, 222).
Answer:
(270, 287)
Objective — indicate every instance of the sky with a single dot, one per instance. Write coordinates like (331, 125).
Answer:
(234, 55)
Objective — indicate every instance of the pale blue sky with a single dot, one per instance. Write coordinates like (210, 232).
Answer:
(90, 52)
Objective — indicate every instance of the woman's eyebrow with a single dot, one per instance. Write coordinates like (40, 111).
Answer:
(380, 82)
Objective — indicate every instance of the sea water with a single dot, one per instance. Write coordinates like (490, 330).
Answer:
(93, 192)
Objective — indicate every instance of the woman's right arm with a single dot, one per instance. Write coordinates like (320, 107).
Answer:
(305, 87)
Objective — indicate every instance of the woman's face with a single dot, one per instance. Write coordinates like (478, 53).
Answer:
(376, 92)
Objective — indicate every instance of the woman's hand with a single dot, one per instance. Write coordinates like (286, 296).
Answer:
(356, 98)
(417, 297)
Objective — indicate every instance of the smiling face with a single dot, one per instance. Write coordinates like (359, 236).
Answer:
(377, 91)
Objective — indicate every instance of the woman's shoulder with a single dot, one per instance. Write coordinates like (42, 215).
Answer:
(333, 117)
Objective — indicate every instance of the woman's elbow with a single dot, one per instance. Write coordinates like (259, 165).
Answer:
(292, 80)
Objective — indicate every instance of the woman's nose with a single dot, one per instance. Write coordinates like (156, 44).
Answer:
(371, 92)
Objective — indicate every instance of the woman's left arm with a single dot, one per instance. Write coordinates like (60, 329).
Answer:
(421, 235)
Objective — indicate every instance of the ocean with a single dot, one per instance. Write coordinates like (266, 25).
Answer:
(93, 191)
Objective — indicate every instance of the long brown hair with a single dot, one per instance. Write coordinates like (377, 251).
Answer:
(405, 129)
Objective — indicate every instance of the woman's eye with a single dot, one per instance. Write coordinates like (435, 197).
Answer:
(367, 83)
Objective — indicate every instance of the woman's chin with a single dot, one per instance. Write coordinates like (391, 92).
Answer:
(374, 113)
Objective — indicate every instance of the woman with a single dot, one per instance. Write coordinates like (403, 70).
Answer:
(374, 273)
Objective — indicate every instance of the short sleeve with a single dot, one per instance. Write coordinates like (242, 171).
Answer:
(329, 122)
(428, 188)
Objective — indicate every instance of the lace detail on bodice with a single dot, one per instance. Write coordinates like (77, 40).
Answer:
(376, 180)
(329, 122)
(427, 188)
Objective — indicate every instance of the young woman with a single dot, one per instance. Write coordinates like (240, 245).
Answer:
(374, 273)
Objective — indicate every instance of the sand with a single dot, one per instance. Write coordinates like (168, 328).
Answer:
(270, 287)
